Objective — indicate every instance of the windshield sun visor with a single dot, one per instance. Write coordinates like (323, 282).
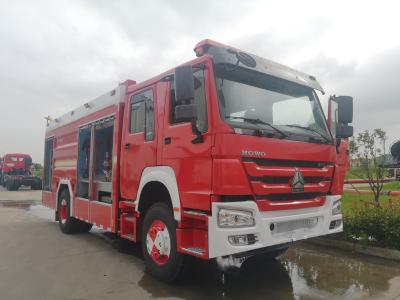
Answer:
(256, 63)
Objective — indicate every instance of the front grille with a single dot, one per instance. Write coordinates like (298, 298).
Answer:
(271, 180)
(236, 198)
(286, 179)
(290, 197)
(286, 163)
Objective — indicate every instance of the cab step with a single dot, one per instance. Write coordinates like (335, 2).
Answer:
(128, 224)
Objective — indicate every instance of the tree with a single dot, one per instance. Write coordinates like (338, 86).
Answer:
(369, 148)
(37, 169)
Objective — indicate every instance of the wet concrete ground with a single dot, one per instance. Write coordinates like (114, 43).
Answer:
(37, 261)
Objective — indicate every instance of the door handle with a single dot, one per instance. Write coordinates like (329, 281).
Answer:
(167, 140)
(127, 146)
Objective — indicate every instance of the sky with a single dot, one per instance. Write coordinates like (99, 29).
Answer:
(57, 55)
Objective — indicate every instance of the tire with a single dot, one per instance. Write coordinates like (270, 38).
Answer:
(68, 224)
(83, 226)
(158, 236)
(10, 184)
(37, 185)
(15, 187)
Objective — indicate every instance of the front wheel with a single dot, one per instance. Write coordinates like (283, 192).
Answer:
(12, 185)
(159, 244)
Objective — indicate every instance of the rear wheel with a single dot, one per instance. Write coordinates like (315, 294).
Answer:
(37, 185)
(159, 245)
(67, 223)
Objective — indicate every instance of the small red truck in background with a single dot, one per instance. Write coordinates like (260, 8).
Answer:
(16, 171)
(227, 154)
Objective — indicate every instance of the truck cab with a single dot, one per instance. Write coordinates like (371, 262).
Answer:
(16, 172)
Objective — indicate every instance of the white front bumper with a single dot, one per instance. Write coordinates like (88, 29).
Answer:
(289, 226)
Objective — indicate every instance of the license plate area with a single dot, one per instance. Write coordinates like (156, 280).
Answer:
(294, 225)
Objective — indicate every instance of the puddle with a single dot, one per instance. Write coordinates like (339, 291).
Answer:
(23, 204)
(304, 272)
(32, 206)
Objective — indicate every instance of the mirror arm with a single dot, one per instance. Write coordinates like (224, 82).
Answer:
(199, 136)
(338, 142)
(200, 66)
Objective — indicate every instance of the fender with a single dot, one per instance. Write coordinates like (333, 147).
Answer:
(166, 176)
(66, 181)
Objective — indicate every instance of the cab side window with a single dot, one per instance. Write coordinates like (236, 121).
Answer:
(199, 101)
(142, 114)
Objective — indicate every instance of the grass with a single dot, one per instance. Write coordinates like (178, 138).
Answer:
(350, 200)
(37, 172)
(388, 186)
(352, 174)
(392, 186)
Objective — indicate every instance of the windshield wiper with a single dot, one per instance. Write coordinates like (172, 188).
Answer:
(309, 129)
(258, 122)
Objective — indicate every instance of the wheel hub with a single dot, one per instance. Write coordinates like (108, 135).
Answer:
(158, 242)
(63, 211)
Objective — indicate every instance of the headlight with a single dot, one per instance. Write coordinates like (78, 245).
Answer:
(235, 218)
(337, 207)
(10, 165)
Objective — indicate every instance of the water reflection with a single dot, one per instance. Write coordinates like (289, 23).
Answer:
(325, 273)
(23, 204)
(205, 282)
(305, 272)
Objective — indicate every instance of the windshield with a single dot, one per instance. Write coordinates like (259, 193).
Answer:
(258, 101)
(15, 159)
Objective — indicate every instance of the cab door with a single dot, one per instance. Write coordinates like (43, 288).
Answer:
(188, 156)
(139, 147)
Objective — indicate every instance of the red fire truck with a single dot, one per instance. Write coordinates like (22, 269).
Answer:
(227, 154)
(16, 171)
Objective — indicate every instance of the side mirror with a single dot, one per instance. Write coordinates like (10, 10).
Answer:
(345, 109)
(344, 131)
(185, 112)
(184, 84)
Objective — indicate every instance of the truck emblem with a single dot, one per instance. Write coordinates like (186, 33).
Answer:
(253, 153)
(297, 182)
